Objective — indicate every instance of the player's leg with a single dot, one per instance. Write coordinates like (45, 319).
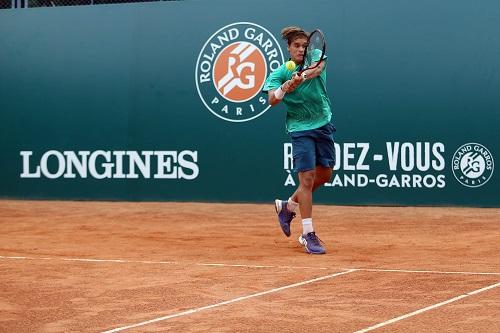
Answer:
(304, 164)
(303, 194)
(322, 175)
(305, 161)
(308, 238)
(325, 160)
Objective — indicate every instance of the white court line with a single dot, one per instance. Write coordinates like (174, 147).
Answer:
(247, 266)
(421, 271)
(346, 270)
(414, 313)
(234, 300)
(163, 262)
(262, 266)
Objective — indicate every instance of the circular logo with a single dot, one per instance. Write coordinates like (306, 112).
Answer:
(472, 165)
(231, 70)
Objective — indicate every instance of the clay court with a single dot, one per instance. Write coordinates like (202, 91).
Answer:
(195, 267)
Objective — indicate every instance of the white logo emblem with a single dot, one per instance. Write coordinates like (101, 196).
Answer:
(231, 70)
(472, 165)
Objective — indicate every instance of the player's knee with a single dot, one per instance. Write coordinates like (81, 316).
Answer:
(307, 182)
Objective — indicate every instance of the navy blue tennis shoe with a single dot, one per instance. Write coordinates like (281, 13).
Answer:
(285, 216)
(312, 243)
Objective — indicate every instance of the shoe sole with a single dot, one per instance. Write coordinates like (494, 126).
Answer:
(303, 242)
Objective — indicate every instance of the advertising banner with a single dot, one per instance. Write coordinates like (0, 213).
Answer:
(164, 101)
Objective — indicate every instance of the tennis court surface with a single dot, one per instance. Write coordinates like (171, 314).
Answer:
(206, 267)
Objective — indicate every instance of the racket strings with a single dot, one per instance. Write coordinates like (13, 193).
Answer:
(314, 49)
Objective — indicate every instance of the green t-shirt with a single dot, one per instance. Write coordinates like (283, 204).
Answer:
(308, 106)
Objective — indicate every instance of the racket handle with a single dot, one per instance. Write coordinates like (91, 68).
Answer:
(302, 74)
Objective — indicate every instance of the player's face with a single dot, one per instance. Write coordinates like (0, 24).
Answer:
(297, 48)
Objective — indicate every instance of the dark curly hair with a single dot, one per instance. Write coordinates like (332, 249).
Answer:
(291, 33)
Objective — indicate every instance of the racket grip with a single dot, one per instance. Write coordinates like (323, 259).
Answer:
(302, 74)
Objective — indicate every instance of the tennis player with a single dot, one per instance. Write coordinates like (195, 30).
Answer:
(308, 122)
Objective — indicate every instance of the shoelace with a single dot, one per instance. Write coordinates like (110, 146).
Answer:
(315, 239)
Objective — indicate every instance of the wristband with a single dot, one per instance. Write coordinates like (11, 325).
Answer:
(279, 93)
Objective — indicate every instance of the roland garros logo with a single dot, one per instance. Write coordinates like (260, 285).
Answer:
(232, 67)
(472, 165)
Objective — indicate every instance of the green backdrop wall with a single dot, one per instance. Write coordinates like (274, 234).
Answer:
(121, 102)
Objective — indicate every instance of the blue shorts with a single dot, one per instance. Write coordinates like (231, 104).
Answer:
(313, 148)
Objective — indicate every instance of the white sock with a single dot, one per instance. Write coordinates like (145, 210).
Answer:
(292, 205)
(307, 226)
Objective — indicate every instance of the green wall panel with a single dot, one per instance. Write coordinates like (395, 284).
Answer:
(411, 83)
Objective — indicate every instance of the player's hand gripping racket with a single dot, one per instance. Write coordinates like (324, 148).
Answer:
(314, 54)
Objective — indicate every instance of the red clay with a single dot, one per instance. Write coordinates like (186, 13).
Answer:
(45, 292)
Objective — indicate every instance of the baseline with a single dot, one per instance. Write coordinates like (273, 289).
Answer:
(93, 260)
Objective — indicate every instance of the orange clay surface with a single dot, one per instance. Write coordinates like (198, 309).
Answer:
(205, 267)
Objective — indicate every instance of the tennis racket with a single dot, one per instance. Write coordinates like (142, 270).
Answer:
(314, 54)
